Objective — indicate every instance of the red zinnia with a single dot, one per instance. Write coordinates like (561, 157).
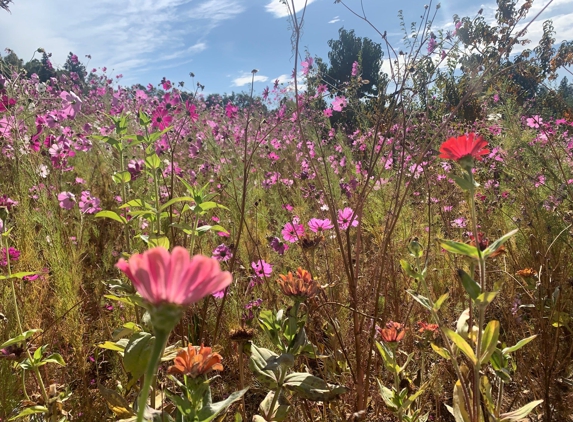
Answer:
(469, 145)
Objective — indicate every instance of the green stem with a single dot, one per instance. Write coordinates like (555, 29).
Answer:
(156, 353)
(19, 321)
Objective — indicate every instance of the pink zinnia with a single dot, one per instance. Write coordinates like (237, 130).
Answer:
(292, 232)
(317, 225)
(346, 218)
(176, 278)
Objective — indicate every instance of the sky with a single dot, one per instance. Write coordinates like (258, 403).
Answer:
(220, 41)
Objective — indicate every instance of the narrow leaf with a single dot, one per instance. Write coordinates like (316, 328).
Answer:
(461, 344)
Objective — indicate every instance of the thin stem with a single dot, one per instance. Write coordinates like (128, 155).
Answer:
(158, 347)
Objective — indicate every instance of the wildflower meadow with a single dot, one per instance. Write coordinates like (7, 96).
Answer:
(356, 245)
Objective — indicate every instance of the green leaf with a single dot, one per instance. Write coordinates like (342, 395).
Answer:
(19, 339)
(19, 275)
(118, 346)
(144, 119)
(518, 346)
(441, 351)
(497, 243)
(121, 177)
(258, 361)
(438, 304)
(388, 396)
(470, 285)
(520, 413)
(55, 358)
(459, 408)
(408, 269)
(112, 215)
(137, 353)
(280, 411)
(485, 299)
(176, 200)
(489, 341)
(312, 388)
(210, 411)
(152, 162)
(460, 248)
(206, 206)
(461, 344)
(422, 300)
(34, 410)
(156, 240)
(388, 358)
(463, 183)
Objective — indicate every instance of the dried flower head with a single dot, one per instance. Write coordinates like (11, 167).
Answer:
(241, 334)
(194, 361)
(300, 285)
(393, 333)
(526, 272)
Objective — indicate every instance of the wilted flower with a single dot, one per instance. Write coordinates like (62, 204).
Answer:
(176, 278)
(301, 285)
(195, 361)
(526, 272)
(278, 246)
(425, 327)
(241, 334)
(393, 333)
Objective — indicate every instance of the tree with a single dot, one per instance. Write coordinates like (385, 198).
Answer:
(73, 65)
(349, 49)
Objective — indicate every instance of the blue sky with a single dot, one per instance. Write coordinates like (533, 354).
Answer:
(220, 41)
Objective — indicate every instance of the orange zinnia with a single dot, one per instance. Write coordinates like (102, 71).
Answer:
(195, 361)
(393, 333)
(301, 285)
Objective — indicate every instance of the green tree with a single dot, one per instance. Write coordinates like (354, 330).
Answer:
(349, 49)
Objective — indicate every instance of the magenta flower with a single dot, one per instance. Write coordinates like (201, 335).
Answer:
(89, 204)
(262, 269)
(278, 246)
(355, 69)
(292, 232)
(346, 218)
(161, 118)
(317, 225)
(67, 200)
(339, 103)
(14, 255)
(222, 253)
(176, 278)
(71, 104)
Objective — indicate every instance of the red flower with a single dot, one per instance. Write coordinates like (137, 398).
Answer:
(469, 145)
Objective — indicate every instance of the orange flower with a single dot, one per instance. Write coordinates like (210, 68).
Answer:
(195, 361)
(424, 326)
(393, 333)
(300, 285)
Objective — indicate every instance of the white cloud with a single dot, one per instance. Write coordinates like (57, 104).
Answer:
(247, 77)
(128, 38)
(280, 10)
(335, 19)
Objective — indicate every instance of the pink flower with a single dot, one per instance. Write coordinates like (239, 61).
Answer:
(71, 103)
(262, 268)
(176, 278)
(328, 112)
(292, 232)
(346, 218)
(89, 204)
(306, 65)
(317, 225)
(67, 200)
(339, 103)
(355, 69)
